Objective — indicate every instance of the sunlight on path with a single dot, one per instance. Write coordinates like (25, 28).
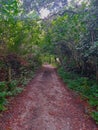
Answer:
(48, 66)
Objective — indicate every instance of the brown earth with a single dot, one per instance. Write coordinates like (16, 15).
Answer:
(46, 104)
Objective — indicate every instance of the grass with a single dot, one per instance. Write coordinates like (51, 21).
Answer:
(86, 87)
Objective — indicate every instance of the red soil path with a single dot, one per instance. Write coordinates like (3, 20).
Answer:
(46, 104)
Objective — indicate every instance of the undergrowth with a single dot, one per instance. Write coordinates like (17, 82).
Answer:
(86, 87)
(13, 88)
(6, 92)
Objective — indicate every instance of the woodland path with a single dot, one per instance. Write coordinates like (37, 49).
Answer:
(46, 104)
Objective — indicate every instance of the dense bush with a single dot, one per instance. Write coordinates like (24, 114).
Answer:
(73, 38)
(19, 39)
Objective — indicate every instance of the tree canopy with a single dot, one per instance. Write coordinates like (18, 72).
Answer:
(69, 33)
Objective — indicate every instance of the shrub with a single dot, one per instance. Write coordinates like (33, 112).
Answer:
(12, 85)
(3, 86)
(3, 100)
(95, 116)
(84, 86)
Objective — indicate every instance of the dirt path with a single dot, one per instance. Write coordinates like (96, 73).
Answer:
(46, 104)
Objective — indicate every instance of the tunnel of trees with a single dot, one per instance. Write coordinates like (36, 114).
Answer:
(67, 38)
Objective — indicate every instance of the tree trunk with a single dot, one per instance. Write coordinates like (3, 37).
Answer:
(9, 74)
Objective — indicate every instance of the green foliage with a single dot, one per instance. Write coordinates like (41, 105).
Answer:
(9, 8)
(3, 100)
(82, 85)
(3, 86)
(4, 92)
(93, 100)
(66, 75)
(26, 77)
(95, 116)
(74, 35)
(15, 92)
(93, 97)
(12, 85)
